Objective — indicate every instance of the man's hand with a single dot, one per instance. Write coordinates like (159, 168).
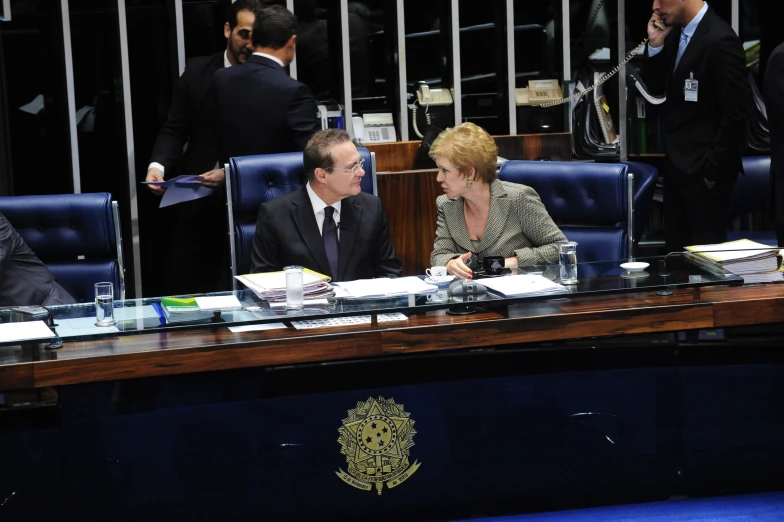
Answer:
(213, 178)
(155, 175)
(656, 36)
(709, 183)
(458, 267)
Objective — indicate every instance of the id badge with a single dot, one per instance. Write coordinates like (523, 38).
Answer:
(690, 89)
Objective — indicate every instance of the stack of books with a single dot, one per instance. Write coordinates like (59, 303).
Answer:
(754, 262)
(184, 310)
(271, 286)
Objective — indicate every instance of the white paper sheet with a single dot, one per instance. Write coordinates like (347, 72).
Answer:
(219, 302)
(24, 331)
(256, 327)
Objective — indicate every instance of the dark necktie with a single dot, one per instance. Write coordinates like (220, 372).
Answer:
(330, 235)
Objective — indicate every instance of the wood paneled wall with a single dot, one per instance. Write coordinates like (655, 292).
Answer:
(409, 199)
(399, 156)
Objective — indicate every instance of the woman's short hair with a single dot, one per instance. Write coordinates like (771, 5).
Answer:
(465, 146)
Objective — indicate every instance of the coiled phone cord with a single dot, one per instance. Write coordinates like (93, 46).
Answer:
(603, 79)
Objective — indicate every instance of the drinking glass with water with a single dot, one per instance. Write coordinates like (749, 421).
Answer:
(568, 262)
(294, 287)
(104, 304)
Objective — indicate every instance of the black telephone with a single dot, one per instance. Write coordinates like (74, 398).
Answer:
(607, 76)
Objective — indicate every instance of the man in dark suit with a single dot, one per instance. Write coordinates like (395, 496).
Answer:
(193, 263)
(699, 63)
(329, 225)
(773, 92)
(259, 108)
(24, 279)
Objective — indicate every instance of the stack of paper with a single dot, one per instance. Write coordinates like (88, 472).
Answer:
(384, 287)
(272, 285)
(753, 261)
(523, 285)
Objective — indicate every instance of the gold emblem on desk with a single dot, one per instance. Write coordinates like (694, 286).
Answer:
(376, 438)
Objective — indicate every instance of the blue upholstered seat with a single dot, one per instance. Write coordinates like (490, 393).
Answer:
(75, 235)
(751, 194)
(252, 180)
(590, 201)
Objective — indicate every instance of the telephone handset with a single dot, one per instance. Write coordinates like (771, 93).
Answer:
(435, 97)
(659, 26)
(427, 97)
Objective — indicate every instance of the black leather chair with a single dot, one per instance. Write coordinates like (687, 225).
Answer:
(252, 180)
(76, 235)
(751, 194)
(602, 206)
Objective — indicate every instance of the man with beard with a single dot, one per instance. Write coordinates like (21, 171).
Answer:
(195, 261)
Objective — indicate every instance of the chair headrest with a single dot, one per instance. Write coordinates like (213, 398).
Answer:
(367, 179)
(751, 192)
(256, 179)
(63, 226)
(573, 191)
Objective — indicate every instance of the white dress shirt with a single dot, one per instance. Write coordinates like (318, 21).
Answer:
(318, 210)
(273, 58)
(688, 31)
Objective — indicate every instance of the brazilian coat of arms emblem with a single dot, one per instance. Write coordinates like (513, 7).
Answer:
(376, 438)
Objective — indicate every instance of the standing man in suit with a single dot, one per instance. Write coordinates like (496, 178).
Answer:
(329, 225)
(699, 63)
(194, 264)
(773, 92)
(259, 108)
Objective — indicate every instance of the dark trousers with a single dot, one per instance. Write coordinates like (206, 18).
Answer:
(693, 213)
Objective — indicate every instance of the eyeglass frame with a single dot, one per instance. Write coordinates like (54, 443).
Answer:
(353, 170)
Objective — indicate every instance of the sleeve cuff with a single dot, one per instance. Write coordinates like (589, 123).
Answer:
(156, 165)
(653, 51)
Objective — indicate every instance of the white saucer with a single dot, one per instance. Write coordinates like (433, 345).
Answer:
(439, 279)
(637, 274)
(635, 267)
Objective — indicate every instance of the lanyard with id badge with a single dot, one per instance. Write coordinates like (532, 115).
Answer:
(690, 89)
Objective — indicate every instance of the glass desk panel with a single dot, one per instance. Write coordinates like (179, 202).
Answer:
(134, 316)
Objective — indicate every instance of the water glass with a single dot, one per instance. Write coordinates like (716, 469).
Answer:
(104, 304)
(293, 287)
(568, 262)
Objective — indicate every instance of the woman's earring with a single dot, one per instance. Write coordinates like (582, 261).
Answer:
(470, 183)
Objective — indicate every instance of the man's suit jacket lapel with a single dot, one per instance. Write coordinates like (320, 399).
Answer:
(496, 220)
(350, 219)
(455, 219)
(305, 221)
(693, 50)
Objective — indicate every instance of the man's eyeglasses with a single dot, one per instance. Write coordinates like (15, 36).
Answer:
(353, 169)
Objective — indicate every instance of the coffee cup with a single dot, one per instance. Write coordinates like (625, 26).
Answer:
(493, 264)
(436, 271)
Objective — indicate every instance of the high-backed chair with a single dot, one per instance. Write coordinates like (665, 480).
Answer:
(751, 194)
(76, 235)
(252, 180)
(592, 203)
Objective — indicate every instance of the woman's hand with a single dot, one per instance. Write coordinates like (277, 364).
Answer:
(459, 268)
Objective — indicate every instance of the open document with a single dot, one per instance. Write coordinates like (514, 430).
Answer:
(384, 287)
(523, 285)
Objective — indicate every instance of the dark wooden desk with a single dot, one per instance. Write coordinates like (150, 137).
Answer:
(199, 350)
(540, 406)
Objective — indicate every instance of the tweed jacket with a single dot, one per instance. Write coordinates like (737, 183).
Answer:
(518, 225)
